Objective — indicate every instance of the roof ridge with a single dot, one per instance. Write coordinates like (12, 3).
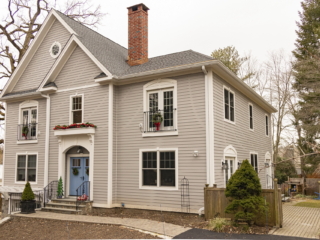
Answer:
(90, 29)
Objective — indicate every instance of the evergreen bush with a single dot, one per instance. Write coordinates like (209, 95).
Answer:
(243, 191)
(27, 194)
(60, 188)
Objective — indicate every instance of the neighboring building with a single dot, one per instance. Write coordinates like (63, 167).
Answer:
(291, 152)
(72, 74)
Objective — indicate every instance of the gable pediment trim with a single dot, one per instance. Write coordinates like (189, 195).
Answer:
(46, 26)
(64, 56)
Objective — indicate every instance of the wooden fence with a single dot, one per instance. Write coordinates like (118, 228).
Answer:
(215, 203)
(312, 186)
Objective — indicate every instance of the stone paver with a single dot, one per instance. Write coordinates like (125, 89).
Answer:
(166, 229)
(300, 222)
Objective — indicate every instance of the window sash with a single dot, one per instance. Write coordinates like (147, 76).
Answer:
(254, 161)
(267, 125)
(251, 116)
(27, 168)
(76, 109)
(228, 105)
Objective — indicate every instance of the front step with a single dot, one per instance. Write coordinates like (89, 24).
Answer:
(65, 205)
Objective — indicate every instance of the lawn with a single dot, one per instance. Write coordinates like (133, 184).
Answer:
(309, 203)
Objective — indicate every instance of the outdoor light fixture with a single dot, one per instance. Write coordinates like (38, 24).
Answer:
(239, 164)
(224, 165)
(80, 150)
(266, 164)
(196, 153)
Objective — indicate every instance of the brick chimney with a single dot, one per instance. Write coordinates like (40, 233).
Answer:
(138, 34)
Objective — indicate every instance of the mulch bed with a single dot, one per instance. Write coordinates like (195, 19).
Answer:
(182, 219)
(35, 228)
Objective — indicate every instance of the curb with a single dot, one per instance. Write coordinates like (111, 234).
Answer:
(2, 221)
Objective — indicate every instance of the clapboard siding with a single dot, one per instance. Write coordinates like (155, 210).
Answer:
(42, 61)
(86, 71)
(12, 148)
(79, 71)
(238, 135)
(192, 136)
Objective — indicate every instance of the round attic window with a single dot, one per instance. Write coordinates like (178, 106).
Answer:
(55, 49)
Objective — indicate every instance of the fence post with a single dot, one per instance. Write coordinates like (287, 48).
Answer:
(276, 203)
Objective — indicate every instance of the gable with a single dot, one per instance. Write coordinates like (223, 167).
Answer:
(79, 70)
(42, 61)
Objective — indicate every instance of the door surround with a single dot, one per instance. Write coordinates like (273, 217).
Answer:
(67, 142)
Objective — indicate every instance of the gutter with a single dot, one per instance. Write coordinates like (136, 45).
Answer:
(46, 151)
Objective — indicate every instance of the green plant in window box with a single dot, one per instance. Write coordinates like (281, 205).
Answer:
(157, 120)
(75, 171)
(27, 203)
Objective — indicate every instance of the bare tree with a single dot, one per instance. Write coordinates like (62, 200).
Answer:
(23, 21)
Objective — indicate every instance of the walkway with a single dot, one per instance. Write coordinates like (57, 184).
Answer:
(300, 222)
(166, 230)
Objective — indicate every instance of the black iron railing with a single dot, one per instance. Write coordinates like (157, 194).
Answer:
(83, 193)
(168, 117)
(27, 131)
(50, 192)
(15, 198)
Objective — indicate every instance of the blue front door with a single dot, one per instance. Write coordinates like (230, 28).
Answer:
(79, 173)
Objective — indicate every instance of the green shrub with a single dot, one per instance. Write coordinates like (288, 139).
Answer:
(27, 194)
(60, 188)
(243, 191)
(218, 224)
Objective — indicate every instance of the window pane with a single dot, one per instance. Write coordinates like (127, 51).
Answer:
(168, 108)
(21, 161)
(76, 162)
(33, 115)
(87, 162)
(25, 117)
(231, 100)
(167, 159)
(32, 161)
(77, 116)
(232, 114)
(267, 127)
(21, 175)
(226, 96)
(32, 175)
(149, 177)
(149, 160)
(167, 178)
(231, 167)
(252, 162)
(77, 103)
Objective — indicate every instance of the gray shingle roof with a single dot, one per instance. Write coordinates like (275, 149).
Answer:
(20, 93)
(113, 56)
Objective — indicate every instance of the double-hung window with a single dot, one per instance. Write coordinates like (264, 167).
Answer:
(76, 109)
(254, 161)
(26, 168)
(159, 169)
(250, 116)
(228, 105)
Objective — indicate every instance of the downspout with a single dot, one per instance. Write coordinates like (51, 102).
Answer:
(46, 151)
(110, 145)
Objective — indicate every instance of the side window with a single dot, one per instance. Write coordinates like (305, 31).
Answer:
(267, 125)
(76, 114)
(228, 105)
(229, 169)
(254, 161)
(250, 116)
(27, 168)
(28, 121)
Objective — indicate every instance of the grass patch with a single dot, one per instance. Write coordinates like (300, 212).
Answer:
(310, 203)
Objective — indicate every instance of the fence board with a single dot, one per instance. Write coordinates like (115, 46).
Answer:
(215, 203)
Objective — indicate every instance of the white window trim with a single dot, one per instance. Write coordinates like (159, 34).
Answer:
(155, 85)
(251, 129)
(16, 167)
(253, 152)
(230, 152)
(223, 104)
(50, 50)
(23, 105)
(70, 107)
(265, 129)
(158, 169)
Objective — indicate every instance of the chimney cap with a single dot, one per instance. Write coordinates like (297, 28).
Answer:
(144, 6)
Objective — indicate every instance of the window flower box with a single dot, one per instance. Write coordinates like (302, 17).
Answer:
(75, 125)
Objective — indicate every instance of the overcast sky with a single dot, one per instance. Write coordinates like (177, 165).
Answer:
(258, 26)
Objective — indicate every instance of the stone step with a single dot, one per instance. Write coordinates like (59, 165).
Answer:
(71, 201)
(63, 205)
(61, 210)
